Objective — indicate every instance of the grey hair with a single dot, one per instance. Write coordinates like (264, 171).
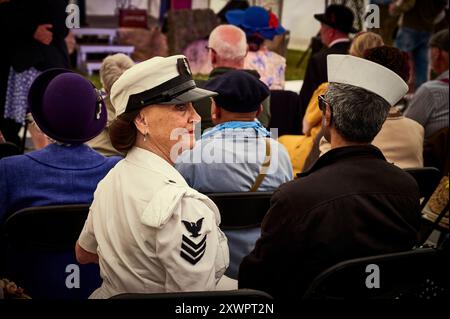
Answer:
(358, 114)
(112, 68)
(229, 42)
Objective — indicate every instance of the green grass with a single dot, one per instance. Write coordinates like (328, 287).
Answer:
(292, 72)
(95, 78)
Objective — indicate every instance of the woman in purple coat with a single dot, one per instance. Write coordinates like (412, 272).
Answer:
(69, 110)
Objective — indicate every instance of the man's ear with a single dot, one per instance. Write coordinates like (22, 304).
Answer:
(328, 116)
(215, 112)
(213, 57)
(260, 109)
(442, 55)
(141, 123)
(246, 51)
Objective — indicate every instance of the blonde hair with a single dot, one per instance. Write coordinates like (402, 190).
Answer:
(363, 41)
(112, 68)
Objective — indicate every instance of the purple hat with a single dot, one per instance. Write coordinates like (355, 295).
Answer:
(256, 20)
(66, 106)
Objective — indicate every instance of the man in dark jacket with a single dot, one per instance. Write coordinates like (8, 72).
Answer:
(34, 33)
(228, 48)
(351, 203)
(336, 24)
(39, 34)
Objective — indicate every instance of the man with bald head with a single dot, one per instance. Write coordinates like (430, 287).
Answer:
(227, 47)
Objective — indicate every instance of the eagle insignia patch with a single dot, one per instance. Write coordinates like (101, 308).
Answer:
(191, 251)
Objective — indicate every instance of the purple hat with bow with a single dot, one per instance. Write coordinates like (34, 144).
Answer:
(67, 107)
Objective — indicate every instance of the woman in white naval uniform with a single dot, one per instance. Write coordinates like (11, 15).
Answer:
(148, 230)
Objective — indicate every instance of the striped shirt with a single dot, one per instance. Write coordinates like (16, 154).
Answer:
(429, 106)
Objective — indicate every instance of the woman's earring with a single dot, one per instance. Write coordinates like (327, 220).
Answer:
(145, 137)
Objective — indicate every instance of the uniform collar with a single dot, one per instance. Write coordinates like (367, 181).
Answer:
(222, 70)
(343, 153)
(234, 128)
(149, 160)
(341, 40)
(78, 156)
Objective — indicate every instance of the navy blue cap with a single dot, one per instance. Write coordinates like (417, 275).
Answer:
(239, 91)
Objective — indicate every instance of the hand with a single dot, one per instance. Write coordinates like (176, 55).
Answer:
(43, 34)
(393, 9)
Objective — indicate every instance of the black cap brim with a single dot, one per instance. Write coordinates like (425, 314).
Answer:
(191, 96)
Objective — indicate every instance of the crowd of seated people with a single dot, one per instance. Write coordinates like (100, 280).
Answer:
(237, 154)
(400, 138)
(300, 146)
(133, 153)
(260, 25)
(227, 46)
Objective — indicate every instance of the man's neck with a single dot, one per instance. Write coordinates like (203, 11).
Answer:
(439, 71)
(236, 119)
(338, 141)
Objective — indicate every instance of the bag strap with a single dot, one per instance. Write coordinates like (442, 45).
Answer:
(264, 166)
(432, 227)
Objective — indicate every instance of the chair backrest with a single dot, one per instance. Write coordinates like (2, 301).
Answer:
(8, 149)
(39, 247)
(227, 296)
(417, 274)
(285, 112)
(241, 210)
(435, 151)
(427, 178)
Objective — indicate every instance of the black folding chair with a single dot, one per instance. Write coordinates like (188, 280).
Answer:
(8, 149)
(39, 245)
(209, 297)
(285, 110)
(417, 274)
(241, 210)
(241, 217)
(427, 178)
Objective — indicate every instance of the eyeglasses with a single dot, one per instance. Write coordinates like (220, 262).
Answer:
(209, 48)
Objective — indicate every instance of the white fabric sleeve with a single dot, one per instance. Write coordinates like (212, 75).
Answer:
(87, 239)
(191, 247)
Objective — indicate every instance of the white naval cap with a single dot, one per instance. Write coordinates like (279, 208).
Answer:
(373, 77)
(156, 81)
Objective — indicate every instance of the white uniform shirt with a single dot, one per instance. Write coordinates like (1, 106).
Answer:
(152, 232)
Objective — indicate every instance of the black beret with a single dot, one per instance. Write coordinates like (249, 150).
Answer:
(239, 91)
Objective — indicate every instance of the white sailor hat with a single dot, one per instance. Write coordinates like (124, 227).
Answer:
(366, 74)
(156, 81)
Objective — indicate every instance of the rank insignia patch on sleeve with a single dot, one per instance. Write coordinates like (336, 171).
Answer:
(190, 250)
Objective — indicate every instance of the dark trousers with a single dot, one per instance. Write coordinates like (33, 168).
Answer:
(8, 127)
